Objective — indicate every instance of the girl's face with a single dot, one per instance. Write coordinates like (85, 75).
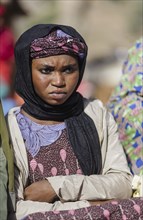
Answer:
(55, 78)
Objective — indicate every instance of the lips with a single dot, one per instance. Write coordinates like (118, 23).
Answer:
(57, 95)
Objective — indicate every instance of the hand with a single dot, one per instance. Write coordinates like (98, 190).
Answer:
(40, 191)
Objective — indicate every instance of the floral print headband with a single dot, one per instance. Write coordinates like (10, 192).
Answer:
(57, 43)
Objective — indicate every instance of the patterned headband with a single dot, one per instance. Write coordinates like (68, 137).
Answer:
(57, 43)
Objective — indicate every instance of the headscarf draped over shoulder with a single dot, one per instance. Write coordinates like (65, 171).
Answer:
(82, 132)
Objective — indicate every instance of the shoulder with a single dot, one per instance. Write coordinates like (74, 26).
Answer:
(13, 110)
(95, 103)
(95, 108)
(101, 117)
(11, 118)
(99, 113)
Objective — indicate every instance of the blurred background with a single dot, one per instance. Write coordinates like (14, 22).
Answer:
(109, 27)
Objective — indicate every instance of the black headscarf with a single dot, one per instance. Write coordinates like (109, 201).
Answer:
(84, 139)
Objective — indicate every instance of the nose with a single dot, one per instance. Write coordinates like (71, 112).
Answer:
(58, 80)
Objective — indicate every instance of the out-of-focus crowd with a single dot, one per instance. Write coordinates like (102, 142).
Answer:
(7, 64)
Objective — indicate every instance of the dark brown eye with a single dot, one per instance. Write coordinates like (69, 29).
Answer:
(69, 69)
(46, 70)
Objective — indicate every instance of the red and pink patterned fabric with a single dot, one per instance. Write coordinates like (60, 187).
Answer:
(127, 209)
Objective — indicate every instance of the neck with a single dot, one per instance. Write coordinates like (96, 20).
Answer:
(42, 122)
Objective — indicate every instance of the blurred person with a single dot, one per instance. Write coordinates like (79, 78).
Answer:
(7, 64)
(3, 182)
(6, 61)
(7, 192)
(7, 195)
(7, 39)
(126, 105)
(65, 156)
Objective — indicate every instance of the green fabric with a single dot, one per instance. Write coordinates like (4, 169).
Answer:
(3, 185)
(126, 105)
(7, 149)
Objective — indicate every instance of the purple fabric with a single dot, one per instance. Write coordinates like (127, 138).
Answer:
(36, 135)
(126, 209)
(57, 43)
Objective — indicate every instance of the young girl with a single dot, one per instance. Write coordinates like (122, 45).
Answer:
(67, 152)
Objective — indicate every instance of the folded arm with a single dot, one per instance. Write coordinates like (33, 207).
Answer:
(113, 183)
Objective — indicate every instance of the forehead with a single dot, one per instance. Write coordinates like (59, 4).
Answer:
(55, 60)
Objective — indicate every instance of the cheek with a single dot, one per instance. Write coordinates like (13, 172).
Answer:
(39, 81)
(73, 81)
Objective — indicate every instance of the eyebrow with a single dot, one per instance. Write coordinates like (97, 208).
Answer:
(64, 66)
(71, 65)
(46, 65)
